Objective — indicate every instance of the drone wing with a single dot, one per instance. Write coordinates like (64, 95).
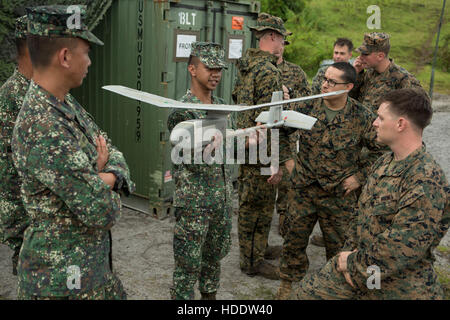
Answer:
(222, 108)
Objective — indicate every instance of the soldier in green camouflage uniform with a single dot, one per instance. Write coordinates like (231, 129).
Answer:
(403, 213)
(13, 217)
(202, 199)
(382, 75)
(258, 77)
(71, 176)
(342, 52)
(327, 173)
(296, 82)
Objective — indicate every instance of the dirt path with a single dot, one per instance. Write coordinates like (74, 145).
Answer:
(143, 254)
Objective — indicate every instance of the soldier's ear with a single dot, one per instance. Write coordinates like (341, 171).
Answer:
(192, 70)
(64, 56)
(402, 124)
(350, 86)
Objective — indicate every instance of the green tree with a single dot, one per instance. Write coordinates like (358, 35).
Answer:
(280, 8)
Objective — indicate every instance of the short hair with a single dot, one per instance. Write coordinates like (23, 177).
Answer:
(344, 42)
(385, 49)
(349, 75)
(42, 48)
(414, 103)
(193, 60)
(21, 45)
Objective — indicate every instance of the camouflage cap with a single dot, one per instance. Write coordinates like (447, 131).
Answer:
(374, 42)
(60, 21)
(21, 28)
(210, 54)
(266, 21)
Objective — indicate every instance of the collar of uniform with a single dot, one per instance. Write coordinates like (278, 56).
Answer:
(263, 54)
(400, 166)
(320, 113)
(20, 77)
(194, 98)
(62, 107)
(388, 69)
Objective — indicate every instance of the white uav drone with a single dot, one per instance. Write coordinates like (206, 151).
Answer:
(217, 113)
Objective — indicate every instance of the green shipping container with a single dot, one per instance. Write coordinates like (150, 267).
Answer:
(147, 44)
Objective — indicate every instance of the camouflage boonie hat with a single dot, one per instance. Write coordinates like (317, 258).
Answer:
(210, 54)
(21, 28)
(266, 21)
(59, 21)
(374, 42)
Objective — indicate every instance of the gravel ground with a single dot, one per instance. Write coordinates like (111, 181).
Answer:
(143, 255)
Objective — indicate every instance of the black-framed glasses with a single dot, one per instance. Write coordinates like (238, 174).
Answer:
(332, 83)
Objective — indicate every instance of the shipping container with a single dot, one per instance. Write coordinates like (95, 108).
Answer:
(147, 45)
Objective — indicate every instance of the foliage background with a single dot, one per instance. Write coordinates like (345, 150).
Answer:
(412, 25)
(316, 24)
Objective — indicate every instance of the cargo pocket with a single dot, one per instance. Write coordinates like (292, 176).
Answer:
(381, 217)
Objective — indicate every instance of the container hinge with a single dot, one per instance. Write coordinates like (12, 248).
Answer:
(166, 77)
(164, 136)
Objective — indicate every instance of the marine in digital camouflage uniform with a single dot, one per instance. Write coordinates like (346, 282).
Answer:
(342, 52)
(296, 81)
(72, 203)
(258, 77)
(203, 192)
(382, 75)
(13, 217)
(327, 161)
(403, 213)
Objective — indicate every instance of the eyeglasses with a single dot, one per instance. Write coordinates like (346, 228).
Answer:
(331, 82)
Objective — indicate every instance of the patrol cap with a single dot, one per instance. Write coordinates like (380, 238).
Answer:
(60, 21)
(266, 21)
(210, 54)
(374, 42)
(21, 28)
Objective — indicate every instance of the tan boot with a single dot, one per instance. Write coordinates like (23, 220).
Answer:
(284, 291)
(208, 296)
(317, 241)
(266, 270)
(272, 252)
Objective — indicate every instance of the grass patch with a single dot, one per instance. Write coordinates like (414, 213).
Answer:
(444, 279)
(412, 25)
(260, 293)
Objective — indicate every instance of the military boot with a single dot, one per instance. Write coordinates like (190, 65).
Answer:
(272, 252)
(284, 291)
(266, 270)
(15, 260)
(208, 296)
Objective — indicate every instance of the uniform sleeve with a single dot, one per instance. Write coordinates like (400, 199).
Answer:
(302, 88)
(116, 161)
(316, 84)
(406, 240)
(368, 157)
(356, 90)
(58, 162)
(118, 166)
